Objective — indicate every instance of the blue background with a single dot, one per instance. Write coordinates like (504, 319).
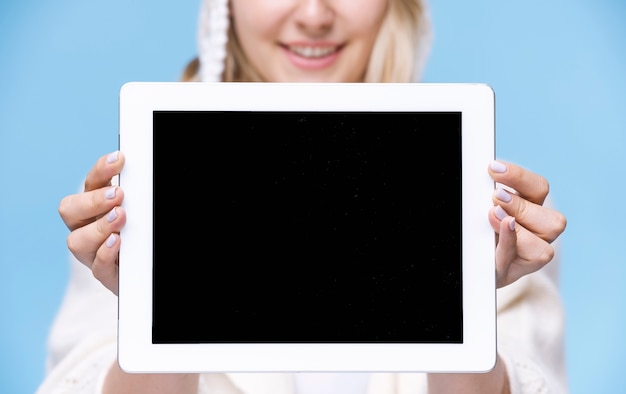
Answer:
(558, 69)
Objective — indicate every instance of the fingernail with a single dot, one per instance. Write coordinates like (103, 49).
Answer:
(503, 195)
(112, 215)
(110, 193)
(512, 224)
(500, 213)
(111, 241)
(496, 166)
(112, 158)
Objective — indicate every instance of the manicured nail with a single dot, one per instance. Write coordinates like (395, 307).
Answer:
(496, 166)
(112, 215)
(112, 158)
(110, 193)
(500, 213)
(111, 241)
(503, 195)
(512, 224)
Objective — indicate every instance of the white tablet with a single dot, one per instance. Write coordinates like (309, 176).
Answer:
(306, 227)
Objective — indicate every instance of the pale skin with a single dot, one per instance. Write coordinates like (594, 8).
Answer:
(308, 40)
(315, 41)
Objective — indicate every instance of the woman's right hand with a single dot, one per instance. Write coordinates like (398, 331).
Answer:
(95, 218)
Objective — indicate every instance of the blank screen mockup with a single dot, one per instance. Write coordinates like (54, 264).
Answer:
(307, 227)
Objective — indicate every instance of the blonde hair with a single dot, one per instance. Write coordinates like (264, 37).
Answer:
(393, 57)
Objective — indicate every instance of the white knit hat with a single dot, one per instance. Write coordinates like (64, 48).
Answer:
(213, 36)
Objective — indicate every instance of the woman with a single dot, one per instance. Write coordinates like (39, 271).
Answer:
(314, 41)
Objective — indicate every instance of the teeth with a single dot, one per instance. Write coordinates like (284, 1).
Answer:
(312, 52)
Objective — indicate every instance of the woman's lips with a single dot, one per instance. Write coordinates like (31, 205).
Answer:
(312, 57)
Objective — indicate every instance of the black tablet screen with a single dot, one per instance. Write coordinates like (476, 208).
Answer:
(314, 227)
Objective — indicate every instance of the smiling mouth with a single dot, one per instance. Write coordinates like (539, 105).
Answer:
(312, 52)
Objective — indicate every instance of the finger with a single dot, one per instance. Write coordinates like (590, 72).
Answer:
(546, 223)
(532, 187)
(506, 250)
(85, 241)
(531, 252)
(105, 263)
(78, 210)
(104, 170)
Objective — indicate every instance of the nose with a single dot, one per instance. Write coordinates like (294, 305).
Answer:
(315, 16)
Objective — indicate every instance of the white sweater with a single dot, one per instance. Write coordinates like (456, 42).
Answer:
(82, 343)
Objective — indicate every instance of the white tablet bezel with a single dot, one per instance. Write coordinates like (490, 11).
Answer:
(136, 353)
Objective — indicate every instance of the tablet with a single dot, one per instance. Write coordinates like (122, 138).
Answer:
(306, 227)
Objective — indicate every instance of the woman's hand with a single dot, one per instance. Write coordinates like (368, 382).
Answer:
(525, 228)
(95, 219)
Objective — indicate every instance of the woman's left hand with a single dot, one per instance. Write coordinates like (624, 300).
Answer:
(525, 228)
